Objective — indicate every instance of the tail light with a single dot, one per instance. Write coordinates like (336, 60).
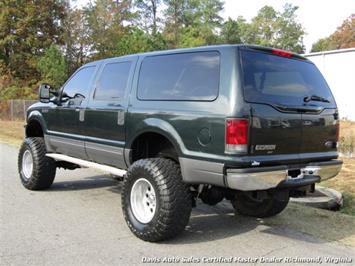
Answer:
(236, 135)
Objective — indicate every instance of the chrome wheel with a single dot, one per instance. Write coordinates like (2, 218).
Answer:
(27, 164)
(143, 200)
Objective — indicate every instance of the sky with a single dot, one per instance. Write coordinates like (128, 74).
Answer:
(320, 18)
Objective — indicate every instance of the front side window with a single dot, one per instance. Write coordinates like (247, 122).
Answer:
(77, 88)
(188, 76)
(113, 81)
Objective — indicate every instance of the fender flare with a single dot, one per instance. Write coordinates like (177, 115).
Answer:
(37, 116)
(162, 127)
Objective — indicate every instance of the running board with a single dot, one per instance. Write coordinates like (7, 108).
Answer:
(105, 168)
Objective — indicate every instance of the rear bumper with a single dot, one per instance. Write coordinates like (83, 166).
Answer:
(262, 178)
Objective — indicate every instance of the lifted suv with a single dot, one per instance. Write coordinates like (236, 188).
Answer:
(250, 124)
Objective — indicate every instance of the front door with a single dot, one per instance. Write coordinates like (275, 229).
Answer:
(65, 130)
(105, 114)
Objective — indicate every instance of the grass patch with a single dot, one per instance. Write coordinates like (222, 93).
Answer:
(12, 132)
(349, 204)
(347, 138)
(322, 224)
(344, 182)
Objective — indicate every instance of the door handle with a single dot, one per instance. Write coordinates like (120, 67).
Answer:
(81, 112)
(114, 105)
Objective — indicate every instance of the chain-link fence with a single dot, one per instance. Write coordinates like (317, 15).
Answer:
(14, 109)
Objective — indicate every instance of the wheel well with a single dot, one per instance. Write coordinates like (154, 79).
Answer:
(34, 129)
(149, 145)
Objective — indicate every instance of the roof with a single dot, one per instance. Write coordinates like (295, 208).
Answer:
(200, 48)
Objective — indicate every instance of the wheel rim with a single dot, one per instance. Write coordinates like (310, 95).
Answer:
(143, 200)
(27, 164)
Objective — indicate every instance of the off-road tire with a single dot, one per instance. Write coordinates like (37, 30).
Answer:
(271, 206)
(173, 199)
(44, 168)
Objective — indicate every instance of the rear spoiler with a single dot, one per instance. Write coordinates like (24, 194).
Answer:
(274, 51)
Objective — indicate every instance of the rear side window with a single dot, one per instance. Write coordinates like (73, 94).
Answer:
(113, 81)
(188, 76)
(274, 79)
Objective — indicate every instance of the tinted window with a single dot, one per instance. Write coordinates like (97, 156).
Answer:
(274, 79)
(79, 85)
(113, 81)
(189, 76)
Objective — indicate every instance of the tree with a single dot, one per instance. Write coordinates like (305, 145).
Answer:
(209, 20)
(76, 39)
(137, 41)
(236, 31)
(343, 37)
(192, 22)
(26, 29)
(148, 14)
(275, 29)
(53, 67)
(290, 32)
(323, 44)
(230, 32)
(175, 13)
(106, 22)
(264, 26)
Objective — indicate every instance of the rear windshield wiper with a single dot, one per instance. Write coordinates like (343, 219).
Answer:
(315, 98)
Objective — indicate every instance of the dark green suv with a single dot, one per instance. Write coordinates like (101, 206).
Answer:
(249, 124)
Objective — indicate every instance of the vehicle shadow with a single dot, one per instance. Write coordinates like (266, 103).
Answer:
(307, 224)
(92, 182)
(209, 223)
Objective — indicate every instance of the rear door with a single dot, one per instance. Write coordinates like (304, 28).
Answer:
(105, 114)
(292, 108)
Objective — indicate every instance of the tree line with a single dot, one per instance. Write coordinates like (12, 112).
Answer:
(343, 37)
(45, 41)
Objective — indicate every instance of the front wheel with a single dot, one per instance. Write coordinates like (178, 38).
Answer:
(156, 203)
(247, 203)
(37, 171)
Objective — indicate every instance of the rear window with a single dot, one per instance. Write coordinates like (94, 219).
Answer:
(274, 79)
(188, 76)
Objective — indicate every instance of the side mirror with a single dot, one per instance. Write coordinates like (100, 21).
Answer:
(44, 93)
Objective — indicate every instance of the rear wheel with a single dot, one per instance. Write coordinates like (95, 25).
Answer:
(37, 171)
(249, 204)
(156, 203)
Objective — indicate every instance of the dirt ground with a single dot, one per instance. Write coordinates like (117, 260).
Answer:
(12, 131)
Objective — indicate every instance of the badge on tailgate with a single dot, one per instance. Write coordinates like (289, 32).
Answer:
(270, 147)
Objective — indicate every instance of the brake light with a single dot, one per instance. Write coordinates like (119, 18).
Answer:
(236, 135)
(281, 53)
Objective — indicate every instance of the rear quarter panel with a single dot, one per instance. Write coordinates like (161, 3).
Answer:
(199, 124)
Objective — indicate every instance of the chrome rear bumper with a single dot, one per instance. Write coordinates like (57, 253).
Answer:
(262, 178)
